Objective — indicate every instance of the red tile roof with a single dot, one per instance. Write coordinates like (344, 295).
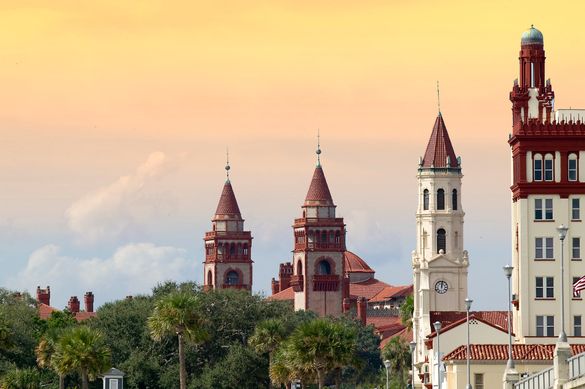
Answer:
(499, 352)
(368, 288)
(405, 334)
(439, 147)
(228, 205)
(81, 316)
(451, 319)
(391, 292)
(45, 311)
(319, 190)
(286, 294)
(354, 264)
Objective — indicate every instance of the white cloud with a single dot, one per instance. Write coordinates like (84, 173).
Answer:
(131, 270)
(121, 209)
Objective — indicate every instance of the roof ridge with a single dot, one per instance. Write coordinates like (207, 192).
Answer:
(439, 149)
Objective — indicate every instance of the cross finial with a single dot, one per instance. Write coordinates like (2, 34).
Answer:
(318, 148)
(438, 98)
(227, 165)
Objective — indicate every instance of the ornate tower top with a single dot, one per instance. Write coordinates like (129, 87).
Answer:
(532, 36)
(318, 194)
(227, 208)
(440, 152)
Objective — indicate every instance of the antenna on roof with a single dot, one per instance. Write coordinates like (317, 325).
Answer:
(227, 166)
(318, 148)
(438, 98)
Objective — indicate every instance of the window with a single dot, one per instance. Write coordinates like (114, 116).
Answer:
(209, 277)
(577, 325)
(541, 213)
(537, 167)
(576, 250)
(441, 199)
(454, 199)
(441, 240)
(232, 278)
(572, 167)
(426, 200)
(578, 294)
(548, 168)
(544, 248)
(478, 381)
(545, 326)
(576, 209)
(245, 249)
(545, 287)
(324, 267)
(113, 383)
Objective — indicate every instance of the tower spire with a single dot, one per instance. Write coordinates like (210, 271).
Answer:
(227, 166)
(318, 152)
(438, 98)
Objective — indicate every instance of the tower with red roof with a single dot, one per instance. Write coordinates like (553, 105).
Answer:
(228, 255)
(439, 261)
(318, 264)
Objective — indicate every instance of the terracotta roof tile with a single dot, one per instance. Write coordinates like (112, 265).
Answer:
(81, 316)
(286, 294)
(392, 291)
(450, 319)
(499, 352)
(367, 289)
(405, 334)
(439, 147)
(45, 311)
(318, 190)
(354, 264)
(228, 205)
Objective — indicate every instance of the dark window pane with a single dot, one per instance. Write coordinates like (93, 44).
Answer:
(441, 199)
(441, 240)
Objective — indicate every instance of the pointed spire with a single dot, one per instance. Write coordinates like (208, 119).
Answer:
(228, 205)
(438, 98)
(318, 193)
(227, 165)
(440, 152)
(318, 152)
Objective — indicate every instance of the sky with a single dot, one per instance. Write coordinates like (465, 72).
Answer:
(115, 117)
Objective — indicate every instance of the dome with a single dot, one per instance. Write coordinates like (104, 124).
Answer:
(532, 36)
(354, 264)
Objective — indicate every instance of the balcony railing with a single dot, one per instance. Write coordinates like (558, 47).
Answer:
(541, 380)
(225, 257)
(320, 220)
(576, 366)
(325, 283)
(234, 234)
(297, 283)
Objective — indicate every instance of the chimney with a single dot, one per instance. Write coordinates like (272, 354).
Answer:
(275, 286)
(284, 275)
(73, 305)
(362, 307)
(129, 297)
(88, 300)
(44, 295)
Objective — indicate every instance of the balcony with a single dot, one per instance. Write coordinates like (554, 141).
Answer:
(231, 234)
(325, 283)
(235, 286)
(297, 283)
(319, 221)
(227, 258)
(325, 245)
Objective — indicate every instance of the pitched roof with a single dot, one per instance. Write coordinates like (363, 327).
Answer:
(439, 147)
(392, 291)
(452, 319)
(285, 294)
(228, 205)
(45, 311)
(499, 352)
(318, 190)
(354, 264)
(368, 288)
(405, 334)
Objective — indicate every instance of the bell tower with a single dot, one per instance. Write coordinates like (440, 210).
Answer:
(318, 264)
(228, 262)
(439, 261)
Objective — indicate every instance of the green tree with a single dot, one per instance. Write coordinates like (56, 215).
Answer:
(83, 350)
(178, 313)
(267, 337)
(397, 351)
(406, 312)
(28, 378)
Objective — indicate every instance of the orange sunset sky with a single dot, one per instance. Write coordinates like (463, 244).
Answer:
(115, 117)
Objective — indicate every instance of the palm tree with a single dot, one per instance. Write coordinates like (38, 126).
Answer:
(178, 313)
(398, 353)
(81, 349)
(267, 337)
(21, 379)
(45, 352)
(406, 311)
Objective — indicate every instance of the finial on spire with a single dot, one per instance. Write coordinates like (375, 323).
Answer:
(318, 148)
(438, 98)
(227, 166)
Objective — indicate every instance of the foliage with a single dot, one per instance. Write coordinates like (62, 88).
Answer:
(28, 378)
(367, 353)
(397, 351)
(406, 312)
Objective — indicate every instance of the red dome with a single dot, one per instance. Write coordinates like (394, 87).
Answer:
(354, 264)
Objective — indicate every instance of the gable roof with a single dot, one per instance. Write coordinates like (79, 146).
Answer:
(439, 147)
(318, 193)
(452, 319)
(285, 294)
(391, 292)
(368, 288)
(499, 352)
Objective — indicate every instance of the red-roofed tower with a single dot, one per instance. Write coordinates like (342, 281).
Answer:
(228, 260)
(318, 264)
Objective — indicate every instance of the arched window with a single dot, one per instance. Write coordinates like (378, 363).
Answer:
(572, 167)
(324, 236)
(299, 268)
(245, 248)
(548, 167)
(311, 236)
(331, 236)
(441, 240)
(240, 249)
(441, 199)
(454, 199)
(232, 278)
(209, 278)
(324, 267)
(426, 199)
(220, 248)
(232, 250)
(317, 236)
(537, 173)
(337, 237)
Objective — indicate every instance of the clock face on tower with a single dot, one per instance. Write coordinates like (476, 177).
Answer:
(441, 287)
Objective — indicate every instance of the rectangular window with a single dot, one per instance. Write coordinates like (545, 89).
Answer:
(545, 325)
(545, 287)
(577, 325)
(478, 381)
(576, 248)
(544, 248)
(576, 209)
(548, 169)
(548, 209)
(572, 170)
(538, 170)
(538, 209)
